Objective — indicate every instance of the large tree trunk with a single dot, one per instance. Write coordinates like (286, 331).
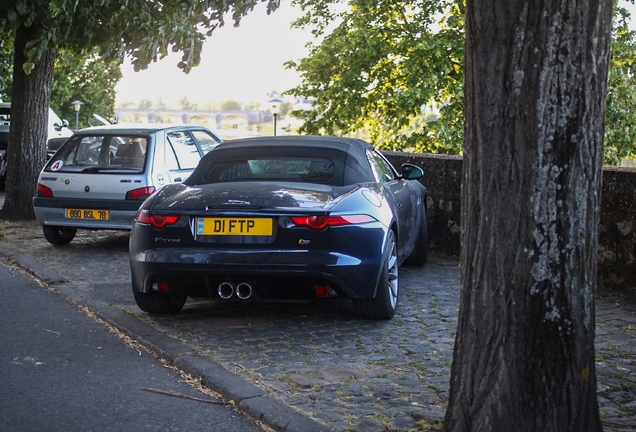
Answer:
(26, 150)
(536, 75)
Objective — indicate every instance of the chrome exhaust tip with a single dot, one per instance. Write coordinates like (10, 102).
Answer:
(244, 290)
(226, 290)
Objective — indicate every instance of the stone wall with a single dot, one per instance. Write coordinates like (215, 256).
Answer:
(442, 178)
(617, 231)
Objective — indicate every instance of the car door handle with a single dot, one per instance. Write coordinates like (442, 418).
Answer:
(178, 179)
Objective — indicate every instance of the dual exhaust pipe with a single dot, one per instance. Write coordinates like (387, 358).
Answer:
(243, 290)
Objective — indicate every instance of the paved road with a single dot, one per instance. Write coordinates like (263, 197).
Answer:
(64, 371)
(318, 358)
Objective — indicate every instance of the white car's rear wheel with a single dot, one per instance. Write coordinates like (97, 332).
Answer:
(58, 236)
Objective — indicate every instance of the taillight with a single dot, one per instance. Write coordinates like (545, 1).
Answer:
(322, 222)
(140, 194)
(157, 221)
(44, 191)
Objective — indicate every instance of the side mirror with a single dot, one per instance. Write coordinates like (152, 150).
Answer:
(59, 127)
(412, 172)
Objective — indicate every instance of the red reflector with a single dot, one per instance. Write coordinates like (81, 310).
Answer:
(44, 191)
(322, 222)
(321, 291)
(155, 220)
(140, 194)
(160, 286)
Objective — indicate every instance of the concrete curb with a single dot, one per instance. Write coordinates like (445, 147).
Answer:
(252, 400)
(31, 266)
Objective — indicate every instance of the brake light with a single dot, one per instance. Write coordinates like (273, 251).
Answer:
(156, 221)
(44, 191)
(322, 222)
(140, 194)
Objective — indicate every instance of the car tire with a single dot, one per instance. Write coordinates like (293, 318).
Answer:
(384, 305)
(420, 252)
(59, 236)
(153, 302)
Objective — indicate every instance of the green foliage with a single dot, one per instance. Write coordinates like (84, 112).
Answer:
(620, 115)
(144, 104)
(145, 30)
(285, 108)
(6, 69)
(383, 64)
(186, 104)
(230, 105)
(161, 104)
(380, 65)
(89, 79)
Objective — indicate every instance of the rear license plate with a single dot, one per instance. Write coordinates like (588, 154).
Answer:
(234, 226)
(87, 214)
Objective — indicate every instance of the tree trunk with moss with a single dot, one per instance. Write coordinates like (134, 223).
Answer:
(535, 90)
(26, 150)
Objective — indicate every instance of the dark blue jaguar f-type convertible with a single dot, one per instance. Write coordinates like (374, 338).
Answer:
(282, 218)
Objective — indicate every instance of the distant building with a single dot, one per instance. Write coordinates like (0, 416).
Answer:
(302, 104)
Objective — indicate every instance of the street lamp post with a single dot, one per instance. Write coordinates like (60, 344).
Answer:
(77, 105)
(275, 109)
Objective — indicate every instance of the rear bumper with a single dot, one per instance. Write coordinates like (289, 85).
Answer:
(277, 274)
(52, 211)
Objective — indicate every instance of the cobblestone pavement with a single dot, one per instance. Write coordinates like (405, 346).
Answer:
(347, 373)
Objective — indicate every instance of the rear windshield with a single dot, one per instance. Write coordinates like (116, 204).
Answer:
(296, 169)
(101, 153)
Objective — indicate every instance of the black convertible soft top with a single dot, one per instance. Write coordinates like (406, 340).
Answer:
(347, 154)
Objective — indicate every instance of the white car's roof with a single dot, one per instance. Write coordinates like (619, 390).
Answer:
(136, 128)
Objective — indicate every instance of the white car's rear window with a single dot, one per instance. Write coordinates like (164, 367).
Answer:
(101, 153)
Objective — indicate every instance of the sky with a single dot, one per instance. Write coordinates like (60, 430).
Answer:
(242, 63)
(237, 63)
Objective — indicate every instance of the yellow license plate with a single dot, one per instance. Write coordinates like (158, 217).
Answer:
(235, 226)
(87, 214)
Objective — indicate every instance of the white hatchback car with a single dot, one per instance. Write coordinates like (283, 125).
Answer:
(101, 175)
